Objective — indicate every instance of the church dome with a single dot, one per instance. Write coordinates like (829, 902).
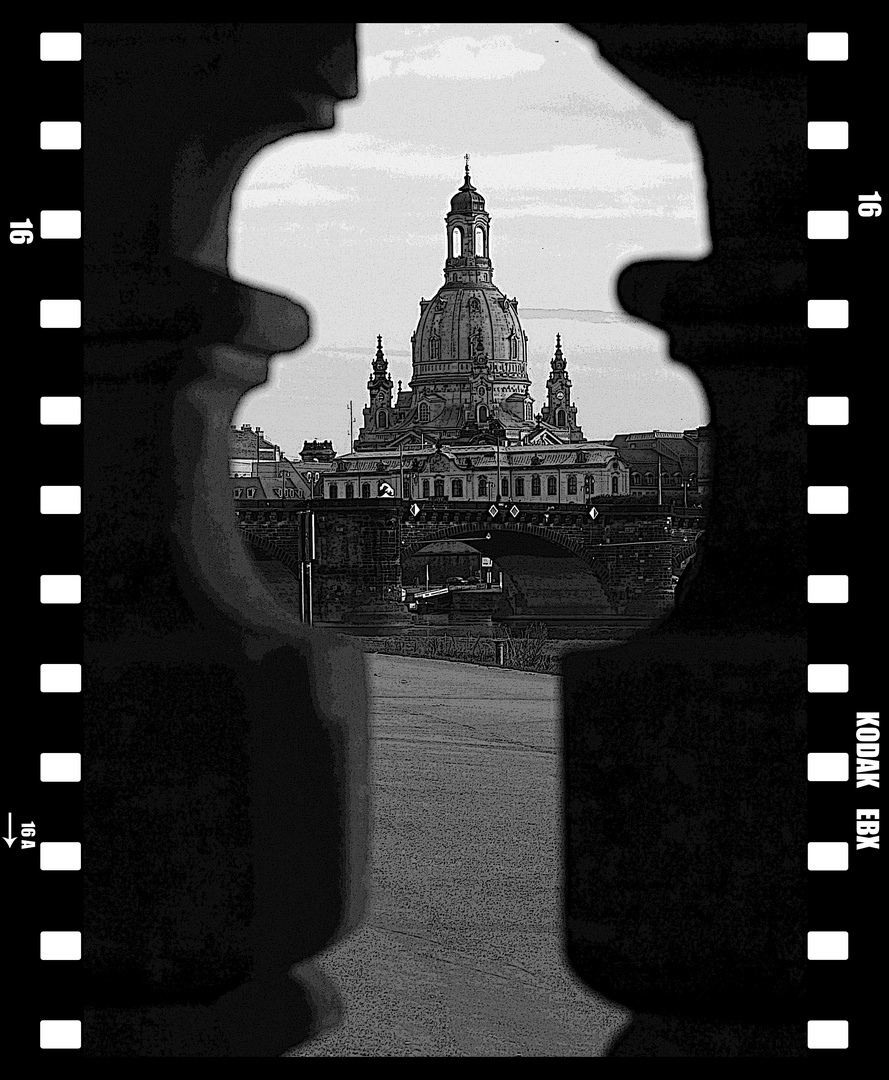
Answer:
(467, 199)
(465, 320)
(470, 330)
(469, 357)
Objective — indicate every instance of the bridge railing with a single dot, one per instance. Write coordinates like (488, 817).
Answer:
(603, 505)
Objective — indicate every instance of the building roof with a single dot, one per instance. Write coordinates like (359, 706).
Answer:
(267, 484)
(646, 447)
(263, 485)
(669, 462)
(467, 198)
(638, 457)
(651, 436)
(450, 416)
(485, 456)
(242, 442)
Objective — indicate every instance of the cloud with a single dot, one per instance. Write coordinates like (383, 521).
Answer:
(597, 212)
(582, 167)
(360, 350)
(295, 191)
(496, 57)
(575, 315)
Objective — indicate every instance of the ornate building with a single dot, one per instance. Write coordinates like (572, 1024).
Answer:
(667, 466)
(470, 381)
(466, 431)
(558, 415)
(249, 450)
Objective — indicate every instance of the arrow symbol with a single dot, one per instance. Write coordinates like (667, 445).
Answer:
(10, 840)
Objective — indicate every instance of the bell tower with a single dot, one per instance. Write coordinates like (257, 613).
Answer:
(558, 411)
(380, 382)
(468, 237)
(378, 413)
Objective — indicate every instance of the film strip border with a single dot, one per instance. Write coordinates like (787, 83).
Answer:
(43, 817)
(844, 229)
(42, 813)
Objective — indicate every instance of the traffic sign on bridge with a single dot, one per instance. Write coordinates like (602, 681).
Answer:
(594, 513)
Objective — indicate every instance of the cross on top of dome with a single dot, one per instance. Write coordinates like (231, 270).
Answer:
(558, 360)
(467, 198)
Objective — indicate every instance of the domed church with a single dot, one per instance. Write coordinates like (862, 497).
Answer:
(466, 430)
(470, 380)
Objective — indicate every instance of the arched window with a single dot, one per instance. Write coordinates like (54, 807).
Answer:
(251, 493)
(677, 479)
(334, 494)
(434, 348)
(519, 486)
(439, 488)
(504, 485)
(528, 413)
(513, 347)
(551, 485)
(425, 489)
(382, 419)
(456, 243)
(649, 479)
(560, 418)
(237, 493)
(480, 241)
(424, 413)
(457, 489)
(483, 414)
(572, 484)
(535, 485)
(365, 491)
(614, 483)
(692, 479)
(483, 485)
(635, 478)
(350, 491)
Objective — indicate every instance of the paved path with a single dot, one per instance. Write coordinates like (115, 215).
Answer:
(460, 951)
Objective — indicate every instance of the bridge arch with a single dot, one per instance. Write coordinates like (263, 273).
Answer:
(544, 573)
(271, 548)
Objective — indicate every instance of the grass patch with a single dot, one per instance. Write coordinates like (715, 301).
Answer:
(527, 649)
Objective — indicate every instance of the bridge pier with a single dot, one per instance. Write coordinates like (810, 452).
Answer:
(557, 562)
(357, 573)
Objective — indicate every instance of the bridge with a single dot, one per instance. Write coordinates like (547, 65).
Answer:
(555, 560)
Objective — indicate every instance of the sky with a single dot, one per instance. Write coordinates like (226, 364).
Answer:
(582, 173)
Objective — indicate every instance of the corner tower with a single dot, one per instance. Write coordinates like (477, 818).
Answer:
(558, 412)
(378, 413)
